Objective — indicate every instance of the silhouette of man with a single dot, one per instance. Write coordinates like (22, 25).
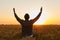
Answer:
(27, 25)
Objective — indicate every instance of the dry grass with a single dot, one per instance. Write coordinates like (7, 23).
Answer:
(42, 32)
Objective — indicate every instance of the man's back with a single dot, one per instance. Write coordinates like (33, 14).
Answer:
(27, 27)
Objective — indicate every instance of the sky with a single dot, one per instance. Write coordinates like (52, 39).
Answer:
(50, 13)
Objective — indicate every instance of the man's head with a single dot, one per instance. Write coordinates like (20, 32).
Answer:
(26, 16)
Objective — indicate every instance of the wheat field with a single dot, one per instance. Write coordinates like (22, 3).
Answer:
(41, 32)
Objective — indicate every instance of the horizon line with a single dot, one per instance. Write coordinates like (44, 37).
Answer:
(33, 24)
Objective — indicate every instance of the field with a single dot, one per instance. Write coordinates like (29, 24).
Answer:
(42, 32)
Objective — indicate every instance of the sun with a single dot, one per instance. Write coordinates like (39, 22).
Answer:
(40, 21)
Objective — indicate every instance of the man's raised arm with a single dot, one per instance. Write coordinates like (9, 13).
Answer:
(18, 19)
(37, 17)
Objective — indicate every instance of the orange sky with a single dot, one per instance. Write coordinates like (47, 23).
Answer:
(50, 14)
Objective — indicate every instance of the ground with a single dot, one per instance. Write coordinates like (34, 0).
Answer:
(42, 32)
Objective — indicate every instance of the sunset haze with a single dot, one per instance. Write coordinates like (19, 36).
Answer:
(50, 12)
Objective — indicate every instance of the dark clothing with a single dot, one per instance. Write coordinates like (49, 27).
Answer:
(27, 25)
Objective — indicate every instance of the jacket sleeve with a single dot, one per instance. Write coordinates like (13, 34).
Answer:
(18, 19)
(36, 18)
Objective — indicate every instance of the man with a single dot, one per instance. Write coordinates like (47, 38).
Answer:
(27, 25)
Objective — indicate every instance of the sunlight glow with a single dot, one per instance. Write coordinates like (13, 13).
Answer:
(50, 12)
(42, 19)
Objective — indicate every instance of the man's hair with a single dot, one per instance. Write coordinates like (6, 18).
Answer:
(26, 16)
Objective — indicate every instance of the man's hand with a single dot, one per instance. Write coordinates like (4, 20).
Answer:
(41, 9)
(14, 10)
